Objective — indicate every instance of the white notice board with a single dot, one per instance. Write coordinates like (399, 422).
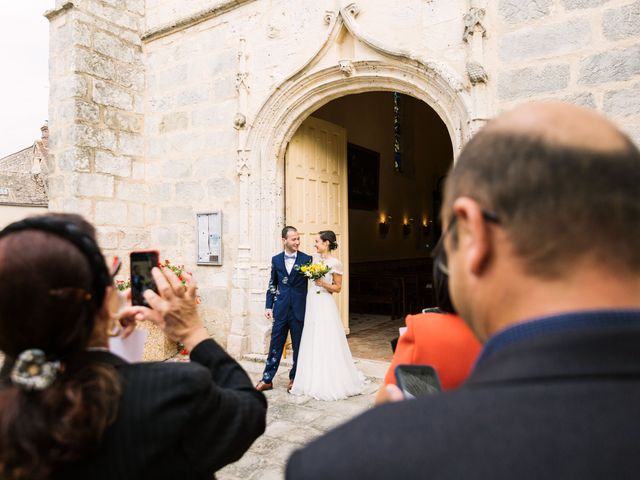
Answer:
(209, 233)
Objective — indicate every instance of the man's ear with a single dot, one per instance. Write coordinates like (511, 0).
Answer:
(473, 233)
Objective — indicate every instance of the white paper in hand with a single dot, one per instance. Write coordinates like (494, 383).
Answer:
(130, 348)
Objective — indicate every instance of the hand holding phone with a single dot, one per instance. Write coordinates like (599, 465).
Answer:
(141, 279)
(416, 380)
(174, 309)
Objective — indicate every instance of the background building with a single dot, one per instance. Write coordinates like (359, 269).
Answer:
(23, 176)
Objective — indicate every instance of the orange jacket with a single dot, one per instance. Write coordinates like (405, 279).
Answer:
(441, 340)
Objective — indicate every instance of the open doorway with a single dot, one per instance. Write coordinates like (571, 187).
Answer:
(397, 151)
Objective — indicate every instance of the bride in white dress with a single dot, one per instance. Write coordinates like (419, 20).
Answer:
(325, 366)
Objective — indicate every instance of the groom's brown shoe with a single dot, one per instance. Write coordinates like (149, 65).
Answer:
(263, 387)
(290, 386)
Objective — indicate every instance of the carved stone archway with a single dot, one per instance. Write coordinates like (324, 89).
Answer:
(263, 142)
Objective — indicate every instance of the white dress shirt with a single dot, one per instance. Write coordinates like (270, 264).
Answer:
(289, 261)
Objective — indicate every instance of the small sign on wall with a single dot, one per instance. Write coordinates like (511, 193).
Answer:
(209, 233)
(4, 191)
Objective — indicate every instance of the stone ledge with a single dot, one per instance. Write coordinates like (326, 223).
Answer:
(191, 20)
(18, 204)
(54, 12)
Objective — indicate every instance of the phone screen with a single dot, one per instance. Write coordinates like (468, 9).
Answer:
(416, 380)
(141, 264)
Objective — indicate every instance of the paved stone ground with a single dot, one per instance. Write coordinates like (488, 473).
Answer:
(370, 335)
(293, 421)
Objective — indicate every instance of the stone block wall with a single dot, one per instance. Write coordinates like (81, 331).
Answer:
(191, 145)
(583, 51)
(191, 140)
(96, 119)
(161, 12)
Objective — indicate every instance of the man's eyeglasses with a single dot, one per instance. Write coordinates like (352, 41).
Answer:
(441, 259)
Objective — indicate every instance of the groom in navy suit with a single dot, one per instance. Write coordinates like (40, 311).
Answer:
(285, 305)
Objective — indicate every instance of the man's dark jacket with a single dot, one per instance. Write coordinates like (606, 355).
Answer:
(176, 420)
(563, 405)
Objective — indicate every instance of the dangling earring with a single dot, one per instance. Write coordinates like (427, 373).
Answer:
(115, 329)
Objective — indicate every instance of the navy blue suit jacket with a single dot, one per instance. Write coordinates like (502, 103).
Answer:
(287, 289)
(563, 405)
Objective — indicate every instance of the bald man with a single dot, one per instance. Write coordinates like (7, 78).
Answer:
(542, 232)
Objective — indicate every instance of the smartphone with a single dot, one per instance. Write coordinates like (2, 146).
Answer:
(416, 380)
(141, 264)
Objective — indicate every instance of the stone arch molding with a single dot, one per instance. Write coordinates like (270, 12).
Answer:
(327, 75)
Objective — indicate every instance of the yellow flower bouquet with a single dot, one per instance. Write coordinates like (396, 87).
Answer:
(314, 271)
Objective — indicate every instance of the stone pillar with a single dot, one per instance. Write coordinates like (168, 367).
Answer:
(237, 342)
(474, 35)
(96, 107)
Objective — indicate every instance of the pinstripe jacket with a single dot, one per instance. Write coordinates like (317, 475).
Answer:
(176, 420)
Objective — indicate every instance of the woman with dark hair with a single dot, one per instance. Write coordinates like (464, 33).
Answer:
(325, 366)
(436, 337)
(69, 408)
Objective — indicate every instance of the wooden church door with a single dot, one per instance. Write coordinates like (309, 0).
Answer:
(316, 192)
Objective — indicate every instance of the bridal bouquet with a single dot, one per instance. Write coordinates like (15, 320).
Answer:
(314, 271)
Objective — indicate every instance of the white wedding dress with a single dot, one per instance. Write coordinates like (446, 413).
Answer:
(325, 368)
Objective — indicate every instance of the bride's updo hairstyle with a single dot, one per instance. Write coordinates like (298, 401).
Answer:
(329, 236)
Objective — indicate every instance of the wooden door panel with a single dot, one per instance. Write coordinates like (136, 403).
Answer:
(316, 189)
(334, 205)
(325, 204)
(333, 167)
(297, 196)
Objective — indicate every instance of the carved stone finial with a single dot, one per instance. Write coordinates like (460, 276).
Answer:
(239, 121)
(242, 167)
(346, 67)
(241, 80)
(329, 16)
(353, 9)
(473, 22)
(477, 73)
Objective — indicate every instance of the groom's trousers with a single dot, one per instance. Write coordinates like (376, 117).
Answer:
(282, 324)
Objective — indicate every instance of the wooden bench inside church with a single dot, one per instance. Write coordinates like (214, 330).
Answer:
(391, 287)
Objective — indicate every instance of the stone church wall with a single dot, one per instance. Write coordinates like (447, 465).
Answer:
(96, 120)
(96, 108)
(583, 51)
(192, 100)
(144, 100)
